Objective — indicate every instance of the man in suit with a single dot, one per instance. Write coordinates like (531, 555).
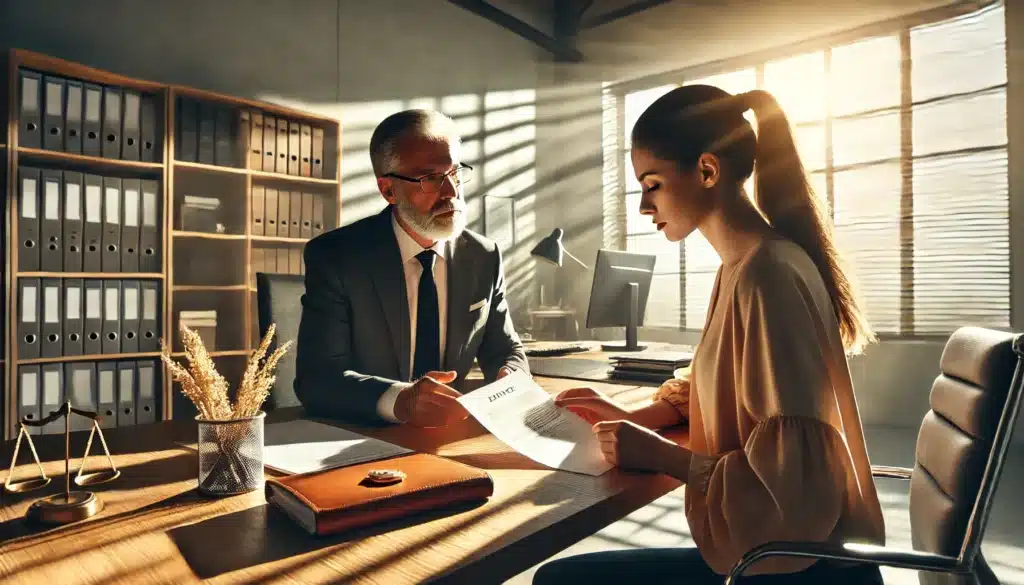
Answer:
(398, 305)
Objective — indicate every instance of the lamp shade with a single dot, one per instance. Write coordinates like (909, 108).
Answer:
(550, 249)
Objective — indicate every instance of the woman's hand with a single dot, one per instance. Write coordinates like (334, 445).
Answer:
(631, 446)
(591, 405)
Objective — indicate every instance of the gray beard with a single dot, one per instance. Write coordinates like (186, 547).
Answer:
(433, 228)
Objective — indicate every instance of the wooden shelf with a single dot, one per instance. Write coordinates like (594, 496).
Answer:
(195, 271)
(279, 240)
(55, 155)
(208, 288)
(147, 275)
(206, 236)
(94, 357)
(219, 353)
(292, 178)
(209, 168)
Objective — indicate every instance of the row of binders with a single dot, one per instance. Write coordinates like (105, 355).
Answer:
(220, 134)
(69, 317)
(74, 222)
(124, 393)
(279, 145)
(78, 117)
(277, 261)
(209, 133)
(287, 214)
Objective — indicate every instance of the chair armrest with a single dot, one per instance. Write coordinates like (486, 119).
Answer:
(855, 553)
(891, 472)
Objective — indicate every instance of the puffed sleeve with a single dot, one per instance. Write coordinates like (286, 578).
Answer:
(677, 393)
(788, 481)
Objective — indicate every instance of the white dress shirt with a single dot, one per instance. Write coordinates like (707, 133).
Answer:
(408, 249)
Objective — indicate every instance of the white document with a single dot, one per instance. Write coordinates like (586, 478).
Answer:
(301, 446)
(523, 416)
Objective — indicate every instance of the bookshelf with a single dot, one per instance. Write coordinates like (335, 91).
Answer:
(200, 157)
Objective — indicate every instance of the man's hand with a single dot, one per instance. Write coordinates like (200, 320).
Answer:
(631, 446)
(591, 405)
(430, 402)
(504, 371)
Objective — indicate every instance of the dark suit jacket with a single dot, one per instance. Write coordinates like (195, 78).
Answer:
(354, 336)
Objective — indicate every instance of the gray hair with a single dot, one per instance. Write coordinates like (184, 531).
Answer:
(385, 139)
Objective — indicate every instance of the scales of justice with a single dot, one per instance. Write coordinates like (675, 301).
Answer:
(70, 506)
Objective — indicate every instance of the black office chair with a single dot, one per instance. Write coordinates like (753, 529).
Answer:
(278, 300)
(961, 448)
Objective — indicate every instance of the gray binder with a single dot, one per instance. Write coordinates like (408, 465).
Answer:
(111, 316)
(29, 397)
(53, 396)
(92, 336)
(80, 381)
(30, 131)
(74, 323)
(28, 219)
(147, 385)
(106, 385)
(72, 222)
(111, 224)
(51, 334)
(92, 253)
(29, 300)
(125, 394)
(53, 113)
(51, 252)
(130, 299)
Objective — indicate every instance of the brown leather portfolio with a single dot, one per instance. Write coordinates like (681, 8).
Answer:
(332, 501)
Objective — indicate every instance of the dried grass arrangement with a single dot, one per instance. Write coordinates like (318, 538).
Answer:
(208, 390)
(230, 435)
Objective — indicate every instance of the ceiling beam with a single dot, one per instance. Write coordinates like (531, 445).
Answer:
(629, 10)
(561, 51)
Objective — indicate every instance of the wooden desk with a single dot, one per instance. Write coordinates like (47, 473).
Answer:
(156, 528)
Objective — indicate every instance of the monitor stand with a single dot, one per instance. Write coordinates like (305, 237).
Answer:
(631, 324)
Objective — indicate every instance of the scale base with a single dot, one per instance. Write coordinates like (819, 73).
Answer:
(57, 509)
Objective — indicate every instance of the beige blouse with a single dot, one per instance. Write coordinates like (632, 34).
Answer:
(778, 448)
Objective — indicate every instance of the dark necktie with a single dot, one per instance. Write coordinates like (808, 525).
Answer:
(428, 323)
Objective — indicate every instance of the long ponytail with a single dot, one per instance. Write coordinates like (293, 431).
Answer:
(788, 202)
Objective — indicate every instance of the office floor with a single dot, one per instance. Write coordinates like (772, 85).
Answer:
(662, 523)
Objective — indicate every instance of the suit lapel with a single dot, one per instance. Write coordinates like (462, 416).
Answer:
(385, 267)
(459, 285)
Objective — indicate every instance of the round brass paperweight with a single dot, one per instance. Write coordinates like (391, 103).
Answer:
(64, 508)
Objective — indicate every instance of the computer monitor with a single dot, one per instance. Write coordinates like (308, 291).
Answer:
(618, 295)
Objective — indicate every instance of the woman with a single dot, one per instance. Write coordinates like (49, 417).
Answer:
(776, 447)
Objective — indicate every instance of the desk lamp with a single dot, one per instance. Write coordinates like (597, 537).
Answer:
(551, 250)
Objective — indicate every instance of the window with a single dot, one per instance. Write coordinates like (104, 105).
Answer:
(912, 160)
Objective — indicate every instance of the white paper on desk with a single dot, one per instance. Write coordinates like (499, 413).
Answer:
(523, 416)
(301, 446)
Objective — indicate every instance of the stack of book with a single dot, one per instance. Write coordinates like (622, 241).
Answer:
(649, 366)
(204, 323)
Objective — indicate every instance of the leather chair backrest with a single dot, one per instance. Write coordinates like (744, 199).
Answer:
(956, 439)
(278, 300)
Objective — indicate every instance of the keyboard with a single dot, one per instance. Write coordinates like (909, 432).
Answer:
(551, 349)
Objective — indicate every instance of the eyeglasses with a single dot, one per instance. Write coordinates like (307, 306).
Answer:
(432, 183)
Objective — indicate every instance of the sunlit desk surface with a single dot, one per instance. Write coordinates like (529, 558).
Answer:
(156, 527)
